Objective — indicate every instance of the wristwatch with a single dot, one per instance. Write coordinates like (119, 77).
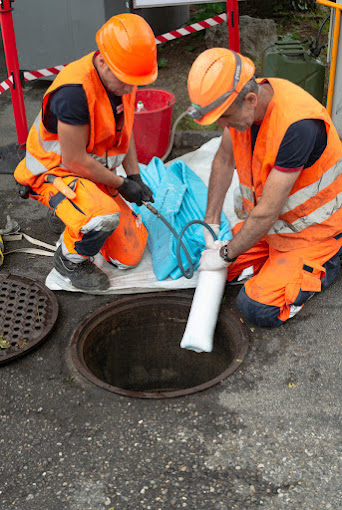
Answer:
(224, 254)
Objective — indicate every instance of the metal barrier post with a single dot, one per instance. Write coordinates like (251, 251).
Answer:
(233, 25)
(10, 47)
(338, 8)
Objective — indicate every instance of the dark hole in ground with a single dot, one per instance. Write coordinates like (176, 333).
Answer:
(132, 347)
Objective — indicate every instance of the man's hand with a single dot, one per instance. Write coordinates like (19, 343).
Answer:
(131, 191)
(208, 238)
(147, 193)
(211, 260)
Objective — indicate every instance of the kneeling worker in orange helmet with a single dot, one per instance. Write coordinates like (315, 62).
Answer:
(287, 153)
(83, 132)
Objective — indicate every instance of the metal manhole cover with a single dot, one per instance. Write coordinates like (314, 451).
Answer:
(28, 312)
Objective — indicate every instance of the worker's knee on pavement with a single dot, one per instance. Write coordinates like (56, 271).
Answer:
(125, 257)
(95, 233)
(258, 313)
(122, 266)
(332, 269)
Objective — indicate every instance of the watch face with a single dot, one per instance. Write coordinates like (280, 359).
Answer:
(223, 253)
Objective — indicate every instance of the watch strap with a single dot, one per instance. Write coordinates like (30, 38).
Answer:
(224, 254)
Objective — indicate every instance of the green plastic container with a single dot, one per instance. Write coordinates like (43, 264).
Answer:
(291, 60)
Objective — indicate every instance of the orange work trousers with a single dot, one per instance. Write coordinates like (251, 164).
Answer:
(89, 221)
(283, 281)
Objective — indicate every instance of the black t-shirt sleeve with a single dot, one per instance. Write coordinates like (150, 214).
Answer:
(69, 104)
(303, 143)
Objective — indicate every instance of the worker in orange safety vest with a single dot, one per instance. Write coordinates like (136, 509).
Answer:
(287, 154)
(83, 132)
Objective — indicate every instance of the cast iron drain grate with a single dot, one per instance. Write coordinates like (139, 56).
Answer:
(131, 347)
(28, 311)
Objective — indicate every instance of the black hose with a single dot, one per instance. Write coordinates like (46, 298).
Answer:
(188, 273)
(317, 50)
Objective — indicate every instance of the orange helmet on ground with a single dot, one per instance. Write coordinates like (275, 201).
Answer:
(215, 79)
(128, 45)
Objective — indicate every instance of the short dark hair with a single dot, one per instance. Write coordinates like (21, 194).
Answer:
(251, 86)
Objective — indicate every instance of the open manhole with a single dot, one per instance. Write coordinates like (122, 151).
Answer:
(28, 312)
(131, 347)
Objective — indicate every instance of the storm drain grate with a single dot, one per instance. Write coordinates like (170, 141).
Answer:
(28, 311)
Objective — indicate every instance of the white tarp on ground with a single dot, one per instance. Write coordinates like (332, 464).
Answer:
(142, 278)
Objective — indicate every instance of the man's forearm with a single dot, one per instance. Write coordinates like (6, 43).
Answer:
(263, 216)
(252, 231)
(93, 170)
(130, 163)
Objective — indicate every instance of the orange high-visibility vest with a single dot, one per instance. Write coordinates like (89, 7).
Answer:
(312, 212)
(43, 150)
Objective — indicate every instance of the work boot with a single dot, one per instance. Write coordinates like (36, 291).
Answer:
(84, 275)
(56, 225)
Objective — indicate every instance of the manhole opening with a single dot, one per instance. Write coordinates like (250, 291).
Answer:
(132, 347)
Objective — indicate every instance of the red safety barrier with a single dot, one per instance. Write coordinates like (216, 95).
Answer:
(233, 25)
(11, 55)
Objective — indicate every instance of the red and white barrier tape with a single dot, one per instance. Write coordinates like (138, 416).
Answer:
(175, 34)
(190, 29)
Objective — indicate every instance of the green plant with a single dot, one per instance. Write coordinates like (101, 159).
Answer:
(295, 5)
(204, 11)
(162, 62)
(266, 8)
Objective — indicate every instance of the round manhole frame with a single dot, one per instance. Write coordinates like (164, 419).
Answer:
(77, 344)
(25, 281)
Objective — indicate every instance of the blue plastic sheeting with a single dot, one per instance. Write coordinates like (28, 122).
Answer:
(180, 196)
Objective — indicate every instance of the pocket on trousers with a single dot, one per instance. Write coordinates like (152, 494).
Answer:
(312, 277)
(309, 279)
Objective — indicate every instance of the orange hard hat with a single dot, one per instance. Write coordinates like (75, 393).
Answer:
(215, 79)
(128, 46)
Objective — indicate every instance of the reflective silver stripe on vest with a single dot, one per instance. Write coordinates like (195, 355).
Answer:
(100, 159)
(47, 146)
(315, 218)
(32, 163)
(247, 193)
(114, 161)
(110, 161)
(310, 191)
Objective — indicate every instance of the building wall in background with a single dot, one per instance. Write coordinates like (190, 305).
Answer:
(50, 33)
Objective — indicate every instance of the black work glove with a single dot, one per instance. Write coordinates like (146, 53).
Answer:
(147, 192)
(131, 191)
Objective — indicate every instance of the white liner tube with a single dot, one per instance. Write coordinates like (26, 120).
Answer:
(199, 332)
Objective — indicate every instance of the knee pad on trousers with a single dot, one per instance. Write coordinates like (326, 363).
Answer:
(95, 234)
(258, 313)
(103, 223)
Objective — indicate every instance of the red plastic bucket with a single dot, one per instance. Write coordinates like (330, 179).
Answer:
(152, 126)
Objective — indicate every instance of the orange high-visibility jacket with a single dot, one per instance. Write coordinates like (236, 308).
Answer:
(43, 151)
(312, 212)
